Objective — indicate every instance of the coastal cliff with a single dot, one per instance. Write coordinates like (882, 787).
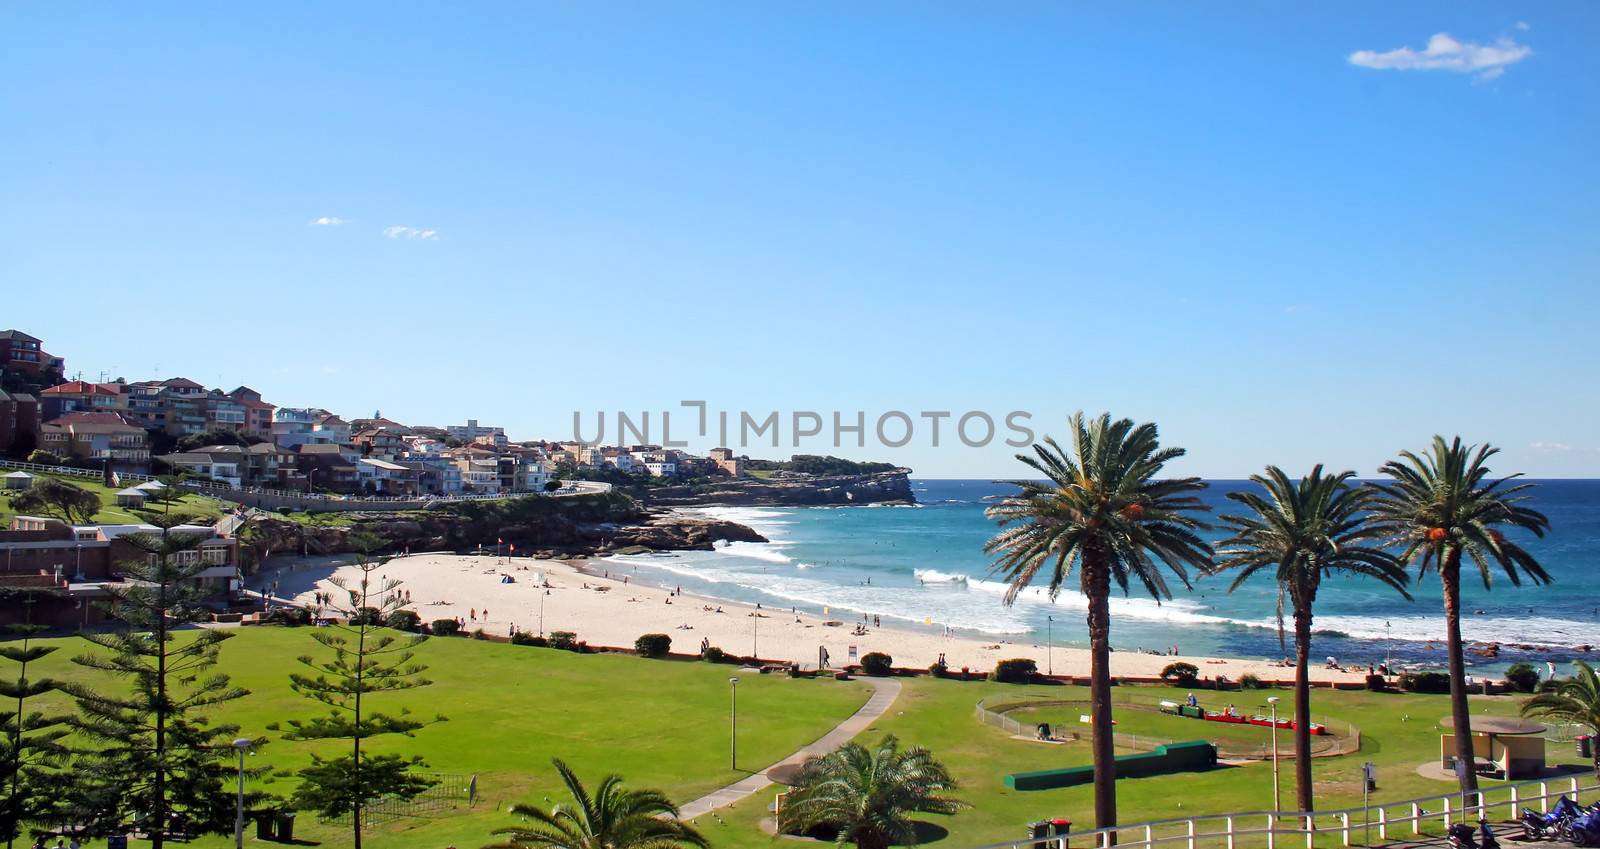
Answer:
(537, 526)
(892, 487)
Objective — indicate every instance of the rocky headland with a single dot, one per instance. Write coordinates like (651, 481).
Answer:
(587, 525)
(790, 490)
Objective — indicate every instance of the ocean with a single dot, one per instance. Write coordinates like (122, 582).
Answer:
(923, 566)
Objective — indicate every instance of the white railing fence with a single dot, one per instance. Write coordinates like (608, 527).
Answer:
(1385, 821)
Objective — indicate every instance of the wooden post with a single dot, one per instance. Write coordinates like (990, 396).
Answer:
(1311, 830)
(1149, 838)
(1515, 809)
(1272, 833)
(1447, 812)
(1383, 824)
(1416, 818)
(1544, 798)
(1229, 825)
(1344, 820)
(1191, 834)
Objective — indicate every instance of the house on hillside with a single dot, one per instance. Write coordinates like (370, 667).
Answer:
(19, 422)
(72, 568)
(24, 364)
(81, 396)
(329, 466)
(257, 413)
(109, 439)
(381, 477)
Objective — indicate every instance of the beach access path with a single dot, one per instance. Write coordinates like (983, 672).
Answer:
(884, 692)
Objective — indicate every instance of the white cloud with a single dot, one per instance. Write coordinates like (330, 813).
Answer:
(328, 221)
(1444, 53)
(1523, 25)
(402, 232)
(1562, 448)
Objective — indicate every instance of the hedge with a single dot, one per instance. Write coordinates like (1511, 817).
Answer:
(877, 663)
(653, 645)
(1017, 670)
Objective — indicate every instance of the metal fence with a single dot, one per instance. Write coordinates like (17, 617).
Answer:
(1403, 819)
(449, 792)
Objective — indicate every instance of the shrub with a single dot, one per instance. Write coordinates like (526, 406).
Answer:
(1549, 686)
(877, 663)
(45, 458)
(1184, 674)
(479, 635)
(523, 638)
(653, 645)
(1425, 682)
(445, 627)
(1250, 681)
(404, 620)
(285, 511)
(1522, 677)
(712, 654)
(1017, 670)
(1377, 683)
(564, 640)
(289, 616)
(367, 616)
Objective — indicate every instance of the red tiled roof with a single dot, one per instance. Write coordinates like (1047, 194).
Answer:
(87, 418)
(81, 387)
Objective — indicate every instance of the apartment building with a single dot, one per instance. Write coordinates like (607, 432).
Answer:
(72, 567)
(110, 439)
(19, 423)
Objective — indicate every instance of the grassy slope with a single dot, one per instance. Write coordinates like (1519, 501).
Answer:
(206, 508)
(511, 709)
(1399, 732)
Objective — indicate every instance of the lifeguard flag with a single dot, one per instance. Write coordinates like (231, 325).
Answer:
(499, 541)
(513, 548)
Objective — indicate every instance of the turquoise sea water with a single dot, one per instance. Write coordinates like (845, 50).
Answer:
(924, 566)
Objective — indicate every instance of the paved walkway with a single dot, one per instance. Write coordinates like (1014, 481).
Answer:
(885, 690)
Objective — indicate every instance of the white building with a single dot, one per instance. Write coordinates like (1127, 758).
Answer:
(472, 430)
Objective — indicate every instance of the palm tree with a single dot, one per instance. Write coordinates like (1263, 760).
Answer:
(1575, 700)
(1103, 512)
(611, 818)
(1440, 506)
(866, 794)
(1302, 533)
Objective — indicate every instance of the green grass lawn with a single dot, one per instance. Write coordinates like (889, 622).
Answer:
(664, 724)
(510, 709)
(1399, 732)
(208, 509)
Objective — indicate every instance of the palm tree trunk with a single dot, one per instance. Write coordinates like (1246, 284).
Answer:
(1302, 708)
(1097, 587)
(1460, 714)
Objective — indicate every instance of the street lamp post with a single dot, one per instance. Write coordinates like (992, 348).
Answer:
(755, 626)
(79, 572)
(1276, 805)
(1050, 645)
(243, 746)
(733, 721)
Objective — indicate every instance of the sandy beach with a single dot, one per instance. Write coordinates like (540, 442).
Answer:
(614, 611)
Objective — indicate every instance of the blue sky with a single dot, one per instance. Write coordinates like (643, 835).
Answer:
(1208, 217)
